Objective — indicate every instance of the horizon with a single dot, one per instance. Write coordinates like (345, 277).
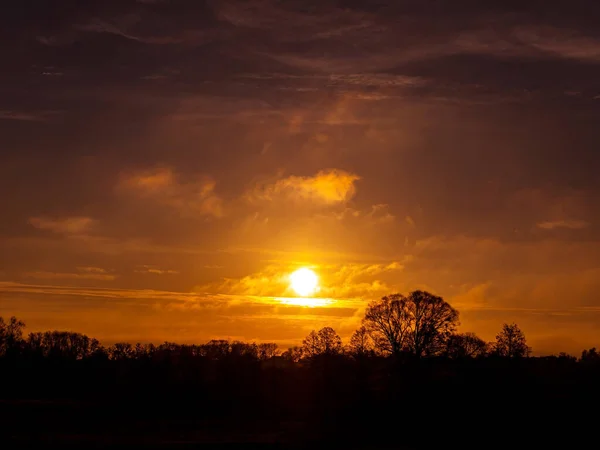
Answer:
(169, 165)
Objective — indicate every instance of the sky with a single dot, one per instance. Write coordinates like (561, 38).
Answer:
(166, 164)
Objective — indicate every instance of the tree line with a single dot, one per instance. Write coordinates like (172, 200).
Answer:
(417, 325)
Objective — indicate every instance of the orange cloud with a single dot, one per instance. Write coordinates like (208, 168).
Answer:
(570, 224)
(327, 187)
(153, 180)
(43, 275)
(165, 187)
(155, 271)
(68, 225)
(337, 281)
(92, 269)
(272, 281)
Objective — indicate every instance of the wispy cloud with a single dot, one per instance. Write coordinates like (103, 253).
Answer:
(569, 224)
(560, 42)
(131, 294)
(99, 270)
(196, 196)
(27, 116)
(101, 26)
(377, 214)
(77, 225)
(44, 275)
(153, 270)
(375, 80)
(232, 304)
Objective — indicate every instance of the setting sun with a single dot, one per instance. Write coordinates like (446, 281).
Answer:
(304, 282)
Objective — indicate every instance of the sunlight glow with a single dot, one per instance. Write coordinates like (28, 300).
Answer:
(306, 302)
(304, 282)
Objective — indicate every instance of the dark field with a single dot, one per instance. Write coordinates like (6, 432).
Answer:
(330, 401)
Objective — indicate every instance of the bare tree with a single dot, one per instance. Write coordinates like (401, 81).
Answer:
(144, 350)
(11, 335)
(511, 342)
(590, 356)
(388, 322)
(331, 343)
(361, 344)
(267, 350)
(293, 354)
(311, 345)
(121, 350)
(418, 323)
(465, 345)
(63, 344)
(215, 349)
(243, 350)
(433, 321)
(324, 342)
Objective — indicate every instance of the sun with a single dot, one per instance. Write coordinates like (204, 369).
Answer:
(304, 282)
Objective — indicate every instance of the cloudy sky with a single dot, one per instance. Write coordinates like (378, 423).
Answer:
(167, 163)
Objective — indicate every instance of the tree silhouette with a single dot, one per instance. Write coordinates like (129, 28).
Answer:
(243, 350)
(511, 342)
(465, 345)
(361, 344)
(418, 323)
(11, 335)
(388, 322)
(143, 350)
(293, 354)
(433, 321)
(324, 342)
(63, 345)
(590, 356)
(121, 350)
(215, 349)
(267, 350)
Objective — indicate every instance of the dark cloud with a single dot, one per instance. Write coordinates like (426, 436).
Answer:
(456, 138)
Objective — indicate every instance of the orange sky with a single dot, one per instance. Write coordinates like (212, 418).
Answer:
(166, 166)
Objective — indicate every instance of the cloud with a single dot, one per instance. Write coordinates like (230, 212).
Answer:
(30, 116)
(471, 297)
(360, 280)
(377, 214)
(347, 80)
(97, 292)
(152, 180)
(327, 187)
(162, 185)
(101, 26)
(292, 22)
(560, 42)
(155, 271)
(337, 281)
(77, 225)
(570, 224)
(272, 281)
(44, 275)
(92, 270)
(551, 209)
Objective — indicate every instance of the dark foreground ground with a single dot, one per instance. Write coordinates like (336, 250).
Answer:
(67, 424)
(324, 403)
(75, 424)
